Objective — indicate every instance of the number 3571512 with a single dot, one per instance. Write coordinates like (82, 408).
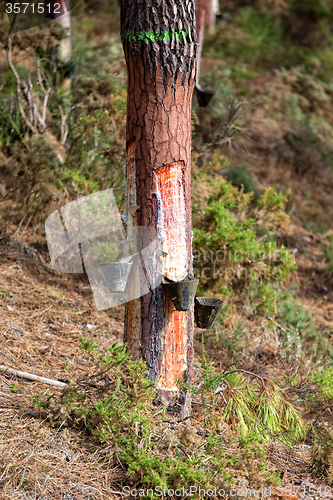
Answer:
(40, 8)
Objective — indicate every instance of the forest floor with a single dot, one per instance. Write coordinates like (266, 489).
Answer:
(43, 317)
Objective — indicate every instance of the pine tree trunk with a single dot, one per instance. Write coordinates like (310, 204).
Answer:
(159, 41)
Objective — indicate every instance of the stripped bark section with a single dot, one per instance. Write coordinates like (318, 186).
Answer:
(133, 310)
(172, 234)
(174, 362)
(171, 225)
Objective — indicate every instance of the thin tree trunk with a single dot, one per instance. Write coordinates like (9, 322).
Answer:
(159, 41)
(200, 22)
(211, 15)
(65, 45)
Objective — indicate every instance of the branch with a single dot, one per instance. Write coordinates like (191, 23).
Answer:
(19, 85)
(38, 116)
(64, 116)
(283, 328)
(45, 103)
(233, 364)
(38, 258)
(45, 91)
(249, 373)
(3, 394)
(39, 74)
(31, 376)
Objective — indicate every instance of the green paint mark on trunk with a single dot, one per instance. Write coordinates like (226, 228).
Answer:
(162, 36)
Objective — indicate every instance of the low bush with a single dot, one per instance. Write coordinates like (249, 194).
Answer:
(234, 243)
(155, 449)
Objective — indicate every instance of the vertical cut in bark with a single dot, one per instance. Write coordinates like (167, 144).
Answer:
(159, 40)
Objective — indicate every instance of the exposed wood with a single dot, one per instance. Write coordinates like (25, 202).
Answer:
(31, 376)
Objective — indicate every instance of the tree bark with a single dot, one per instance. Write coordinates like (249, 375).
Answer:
(159, 41)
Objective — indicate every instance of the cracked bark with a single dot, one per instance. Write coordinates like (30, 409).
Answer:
(159, 41)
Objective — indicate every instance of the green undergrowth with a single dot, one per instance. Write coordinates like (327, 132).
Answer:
(271, 33)
(328, 253)
(239, 176)
(300, 339)
(84, 150)
(324, 380)
(221, 121)
(156, 448)
(322, 456)
(320, 401)
(300, 342)
(253, 36)
(235, 238)
(256, 408)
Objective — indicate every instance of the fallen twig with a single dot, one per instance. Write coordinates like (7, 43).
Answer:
(6, 395)
(38, 258)
(31, 376)
(283, 328)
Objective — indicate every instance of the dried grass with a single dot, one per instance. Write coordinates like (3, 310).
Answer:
(42, 317)
(39, 462)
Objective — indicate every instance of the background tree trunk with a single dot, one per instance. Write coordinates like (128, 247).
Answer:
(159, 41)
(200, 7)
(64, 50)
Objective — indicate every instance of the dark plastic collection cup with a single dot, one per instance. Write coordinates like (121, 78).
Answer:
(205, 311)
(182, 293)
